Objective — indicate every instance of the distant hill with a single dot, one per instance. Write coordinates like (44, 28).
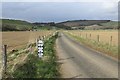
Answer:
(19, 25)
(111, 24)
(107, 25)
(46, 26)
(15, 25)
(89, 24)
(83, 22)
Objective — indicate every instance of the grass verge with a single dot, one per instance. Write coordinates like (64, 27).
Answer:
(35, 67)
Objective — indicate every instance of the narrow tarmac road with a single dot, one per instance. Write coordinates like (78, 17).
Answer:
(79, 61)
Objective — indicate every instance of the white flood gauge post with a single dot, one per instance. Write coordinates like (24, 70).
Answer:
(40, 48)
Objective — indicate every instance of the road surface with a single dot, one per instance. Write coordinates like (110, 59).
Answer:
(78, 61)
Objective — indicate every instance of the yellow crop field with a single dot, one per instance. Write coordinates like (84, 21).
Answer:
(16, 40)
(104, 36)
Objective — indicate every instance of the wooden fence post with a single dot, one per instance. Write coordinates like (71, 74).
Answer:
(111, 40)
(36, 42)
(4, 62)
(98, 38)
(39, 37)
(86, 35)
(42, 37)
(90, 36)
(30, 49)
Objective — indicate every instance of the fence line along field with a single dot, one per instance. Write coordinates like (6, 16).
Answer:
(104, 36)
(105, 41)
(17, 40)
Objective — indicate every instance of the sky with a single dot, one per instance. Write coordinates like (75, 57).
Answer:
(60, 11)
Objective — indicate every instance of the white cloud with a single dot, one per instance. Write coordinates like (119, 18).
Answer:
(60, 11)
(60, 0)
(110, 7)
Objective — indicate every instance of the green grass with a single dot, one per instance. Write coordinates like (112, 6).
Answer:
(15, 25)
(35, 67)
(44, 28)
(105, 48)
(111, 24)
(10, 21)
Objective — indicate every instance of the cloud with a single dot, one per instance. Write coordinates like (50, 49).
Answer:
(60, 0)
(111, 9)
(56, 11)
(0, 10)
(110, 6)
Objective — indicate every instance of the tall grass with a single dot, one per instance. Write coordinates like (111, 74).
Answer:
(35, 67)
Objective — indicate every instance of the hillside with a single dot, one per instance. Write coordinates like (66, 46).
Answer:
(19, 25)
(45, 26)
(111, 24)
(83, 22)
(15, 25)
(89, 24)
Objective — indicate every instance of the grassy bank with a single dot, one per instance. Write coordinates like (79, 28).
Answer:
(35, 67)
(105, 48)
(16, 25)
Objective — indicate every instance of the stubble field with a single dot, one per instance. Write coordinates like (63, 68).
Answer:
(104, 36)
(17, 40)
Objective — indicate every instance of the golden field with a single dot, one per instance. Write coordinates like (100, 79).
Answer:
(16, 40)
(105, 36)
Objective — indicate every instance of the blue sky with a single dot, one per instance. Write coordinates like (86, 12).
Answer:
(59, 11)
